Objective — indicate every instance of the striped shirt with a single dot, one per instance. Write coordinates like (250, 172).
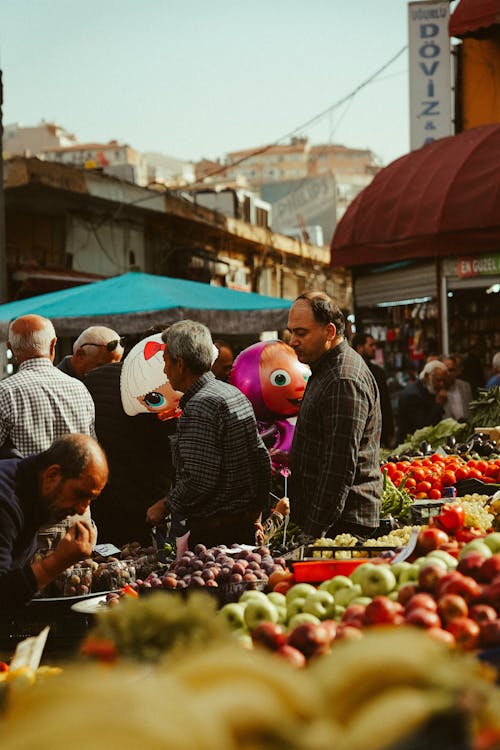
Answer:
(334, 461)
(221, 464)
(39, 404)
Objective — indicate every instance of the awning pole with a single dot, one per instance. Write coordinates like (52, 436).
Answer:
(3, 253)
(443, 291)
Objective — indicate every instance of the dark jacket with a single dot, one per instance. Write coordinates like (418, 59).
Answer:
(417, 408)
(385, 404)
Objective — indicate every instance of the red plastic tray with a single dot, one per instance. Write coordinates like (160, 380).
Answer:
(315, 571)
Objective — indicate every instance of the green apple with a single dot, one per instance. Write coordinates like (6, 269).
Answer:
(335, 584)
(279, 600)
(358, 573)
(295, 606)
(233, 615)
(317, 603)
(439, 554)
(421, 562)
(393, 595)
(493, 541)
(258, 611)
(344, 596)
(364, 600)
(399, 567)
(251, 594)
(299, 589)
(377, 580)
(243, 637)
(478, 545)
(301, 618)
(408, 575)
(335, 613)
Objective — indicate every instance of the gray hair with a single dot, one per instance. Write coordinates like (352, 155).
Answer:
(434, 364)
(35, 341)
(496, 361)
(193, 342)
(95, 335)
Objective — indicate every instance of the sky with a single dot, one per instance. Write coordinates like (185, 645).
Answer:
(199, 78)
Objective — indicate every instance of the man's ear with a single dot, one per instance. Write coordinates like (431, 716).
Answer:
(53, 348)
(50, 478)
(331, 331)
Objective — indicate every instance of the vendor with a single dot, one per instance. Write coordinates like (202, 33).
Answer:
(46, 487)
(422, 403)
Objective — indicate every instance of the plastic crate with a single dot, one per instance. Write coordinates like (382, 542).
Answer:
(309, 569)
(422, 510)
(475, 486)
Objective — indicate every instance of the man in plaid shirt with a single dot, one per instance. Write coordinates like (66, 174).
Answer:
(222, 467)
(336, 481)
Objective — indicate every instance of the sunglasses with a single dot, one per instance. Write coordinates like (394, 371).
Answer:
(110, 346)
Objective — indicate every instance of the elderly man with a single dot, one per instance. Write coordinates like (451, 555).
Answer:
(421, 402)
(335, 476)
(45, 488)
(221, 368)
(39, 403)
(222, 467)
(94, 347)
(458, 391)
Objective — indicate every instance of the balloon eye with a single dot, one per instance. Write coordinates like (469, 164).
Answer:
(154, 400)
(306, 377)
(280, 378)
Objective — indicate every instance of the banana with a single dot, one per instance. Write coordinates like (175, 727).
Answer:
(392, 716)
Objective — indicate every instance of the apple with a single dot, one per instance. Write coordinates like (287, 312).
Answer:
(252, 596)
(381, 611)
(292, 655)
(493, 541)
(299, 590)
(335, 584)
(430, 538)
(279, 600)
(233, 615)
(465, 631)
(408, 575)
(331, 626)
(335, 612)
(295, 607)
(491, 594)
(421, 562)
(318, 603)
(451, 606)
(270, 635)
(257, 611)
(423, 618)
(490, 634)
(354, 614)
(444, 636)
(310, 638)
(242, 637)
(277, 576)
(345, 631)
(490, 568)
(282, 587)
(302, 618)
(479, 545)
(365, 600)
(471, 563)
(405, 592)
(459, 584)
(422, 600)
(440, 554)
(344, 596)
(400, 567)
(429, 575)
(376, 580)
(482, 613)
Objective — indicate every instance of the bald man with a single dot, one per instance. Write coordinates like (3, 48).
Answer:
(95, 346)
(39, 403)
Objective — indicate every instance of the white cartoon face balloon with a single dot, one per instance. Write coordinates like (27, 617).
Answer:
(143, 384)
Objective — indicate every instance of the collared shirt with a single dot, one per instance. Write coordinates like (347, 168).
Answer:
(221, 464)
(20, 517)
(66, 367)
(334, 461)
(40, 404)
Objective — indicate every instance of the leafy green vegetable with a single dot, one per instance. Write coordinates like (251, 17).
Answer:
(485, 410)
(434, 434)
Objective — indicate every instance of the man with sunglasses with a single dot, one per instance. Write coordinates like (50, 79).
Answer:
(94, 347)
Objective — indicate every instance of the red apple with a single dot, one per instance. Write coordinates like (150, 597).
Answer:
(442, 635)
(465, 631)
(471, 564)
(429, 575)
(490, 569)
(269, 634)
(309, 638)
(491, 594)
(381, 611)
(490, 634)
(345, 631)
(482, 613)
(279, 575)
(429, 539)
(423, 618)
(422, 600)
(451, 606)
(459, 584)
(354, 615)
(283, 586)
(406, 592)
(293, 655)
(331, 626)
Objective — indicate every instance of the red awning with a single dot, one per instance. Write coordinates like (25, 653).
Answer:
(471, 17)
(442, 199)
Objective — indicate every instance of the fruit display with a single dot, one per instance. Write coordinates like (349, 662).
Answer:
(113, 574)
(396, 538)
(425, 440)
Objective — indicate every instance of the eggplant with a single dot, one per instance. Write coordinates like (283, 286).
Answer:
(450, 441)
(425, 447)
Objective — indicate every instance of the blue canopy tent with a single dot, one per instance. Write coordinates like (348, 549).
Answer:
(133, 302)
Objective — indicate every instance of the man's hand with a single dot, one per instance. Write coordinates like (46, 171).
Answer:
(156, 513)
(75, 545)
(441, 397)
(283, 506)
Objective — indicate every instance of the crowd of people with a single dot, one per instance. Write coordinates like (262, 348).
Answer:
(204, 473)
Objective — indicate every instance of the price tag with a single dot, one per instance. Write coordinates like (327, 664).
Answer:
(106, 549)
(28, 653)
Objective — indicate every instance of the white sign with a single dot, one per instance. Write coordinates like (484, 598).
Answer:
(309, 199)
(430, 72)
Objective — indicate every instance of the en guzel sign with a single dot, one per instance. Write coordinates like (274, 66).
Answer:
(484, 265)
(430, 72)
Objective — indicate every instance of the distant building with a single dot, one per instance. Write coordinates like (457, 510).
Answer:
(166, 170)
(19, 140)
(112, 158)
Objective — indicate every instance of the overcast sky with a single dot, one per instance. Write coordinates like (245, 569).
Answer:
(198, 78)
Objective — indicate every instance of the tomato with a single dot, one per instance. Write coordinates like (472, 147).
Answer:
(451, 518)
(448, 478)
(481, 466)
(424, 486)
(410, 483)
(390, 467)
(475, 474)
(491, 469)
(435, 494)
(402, 465)
(397, 477)
(436, 458)
(418, 474)
(462, 473)
(426, 462)
(488, 480)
